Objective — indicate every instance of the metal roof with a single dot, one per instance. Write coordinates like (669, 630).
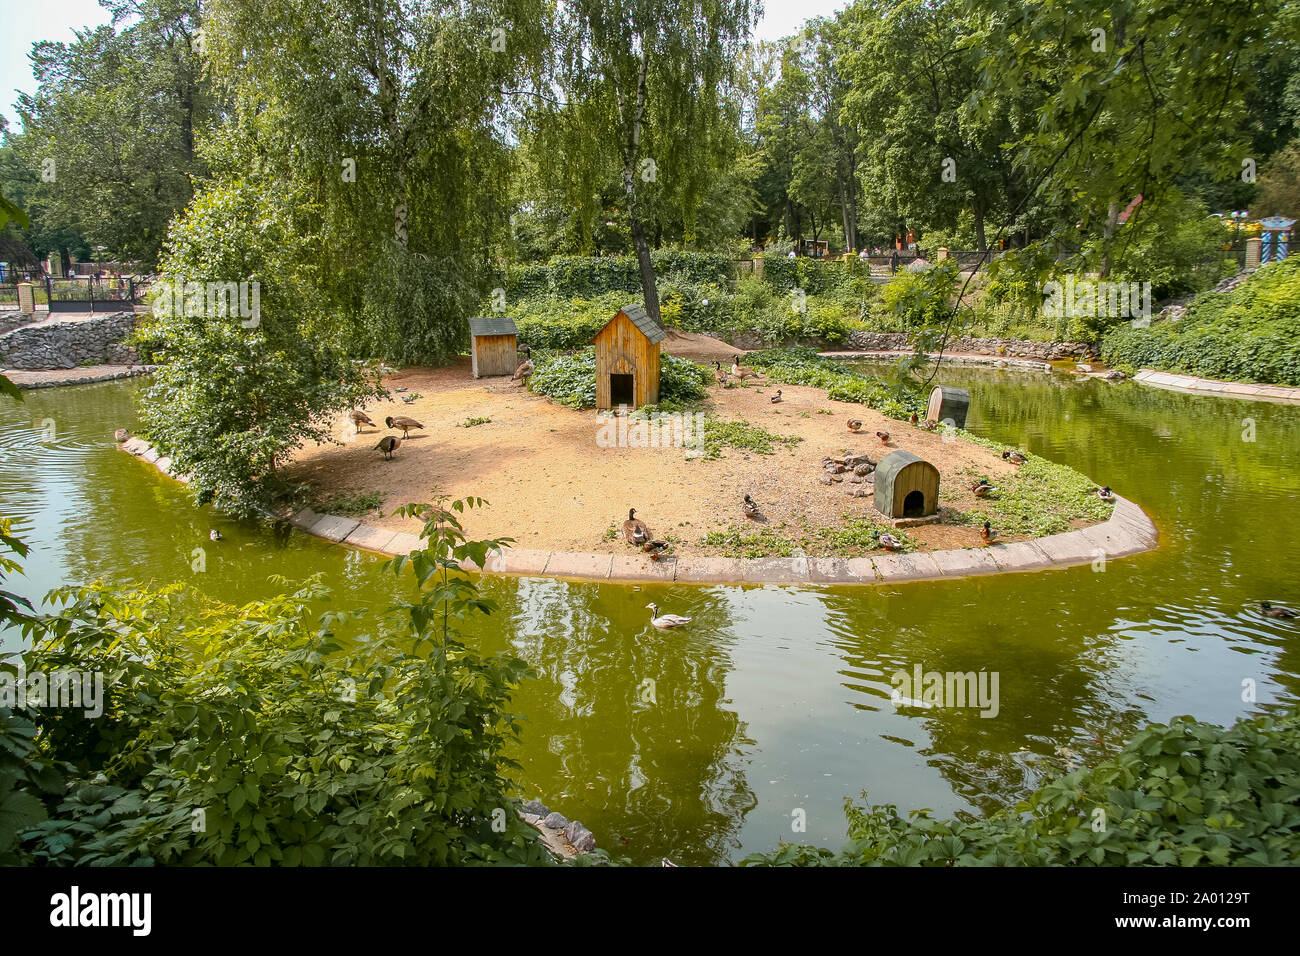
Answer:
(494, 325)
(647, 326)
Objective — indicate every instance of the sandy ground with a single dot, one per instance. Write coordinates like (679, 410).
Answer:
(552, 486)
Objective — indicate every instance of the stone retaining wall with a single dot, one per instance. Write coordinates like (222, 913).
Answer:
(67, 343)
(1019, 348)
(1128, 531)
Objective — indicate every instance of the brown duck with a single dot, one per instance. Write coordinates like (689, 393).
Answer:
(402, 422)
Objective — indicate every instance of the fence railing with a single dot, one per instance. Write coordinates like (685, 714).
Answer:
(78, 294)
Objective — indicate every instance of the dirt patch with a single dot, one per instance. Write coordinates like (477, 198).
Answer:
(551, 486)
(699, 348)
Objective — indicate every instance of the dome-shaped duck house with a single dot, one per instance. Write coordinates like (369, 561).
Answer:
(906, 486)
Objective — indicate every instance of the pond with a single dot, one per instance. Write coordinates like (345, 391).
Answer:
(774, 705)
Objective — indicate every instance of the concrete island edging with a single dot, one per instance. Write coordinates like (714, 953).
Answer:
(1174, 382)
(1126, 532)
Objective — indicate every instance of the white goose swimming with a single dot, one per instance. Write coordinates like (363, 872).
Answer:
(667, 620)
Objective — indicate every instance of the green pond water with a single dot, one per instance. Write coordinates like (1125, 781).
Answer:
(777, 700)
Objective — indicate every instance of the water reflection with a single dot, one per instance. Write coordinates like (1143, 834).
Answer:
(708, 742)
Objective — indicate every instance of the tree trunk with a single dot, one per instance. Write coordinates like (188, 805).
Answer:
(631, 157)
(1112, 219)
(981, 243)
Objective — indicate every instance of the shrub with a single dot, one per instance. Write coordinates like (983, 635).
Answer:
(1250, 334)
(291, 749)
(1178, 794)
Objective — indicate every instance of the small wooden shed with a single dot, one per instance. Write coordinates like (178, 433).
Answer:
(493, 345)
(948, 405)
(906, 486)
(627, 359)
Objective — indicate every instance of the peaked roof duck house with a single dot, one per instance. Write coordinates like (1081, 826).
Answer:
(627, 359)
(493, 343)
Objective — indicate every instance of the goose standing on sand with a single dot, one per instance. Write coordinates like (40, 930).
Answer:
(403, 423)
(634, 529)
(718, 373)
(360, 418)
(388, 444)
(740, 371)
(525, 368)
(666, 620)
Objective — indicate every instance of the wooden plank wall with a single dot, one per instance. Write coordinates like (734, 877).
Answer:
(918, 476)
(494, 355)
(621, 349)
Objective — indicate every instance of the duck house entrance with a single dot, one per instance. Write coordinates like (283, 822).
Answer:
(914, 504)
(621, 390)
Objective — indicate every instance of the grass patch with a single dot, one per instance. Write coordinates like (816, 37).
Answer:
(856, 538)
(744, 436)
(1040, 497)
(842, 383)
(471, 422)
(348, 503)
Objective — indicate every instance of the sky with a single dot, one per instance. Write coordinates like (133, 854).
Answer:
(25, 23)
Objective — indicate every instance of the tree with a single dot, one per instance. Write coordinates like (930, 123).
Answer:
(108, 146)
(641, 81)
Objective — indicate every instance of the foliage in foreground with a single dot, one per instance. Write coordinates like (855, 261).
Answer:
(1251, 334)
(250, 735)
(1180, 794)
(571, 379)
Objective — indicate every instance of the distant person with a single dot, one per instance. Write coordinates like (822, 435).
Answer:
(790, 254)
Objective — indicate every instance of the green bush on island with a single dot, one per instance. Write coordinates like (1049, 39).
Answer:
(1178, 794)
(841, 382)
(250, 735)
(1251, 334)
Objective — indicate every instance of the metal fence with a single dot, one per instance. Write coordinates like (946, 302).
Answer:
(78, 294)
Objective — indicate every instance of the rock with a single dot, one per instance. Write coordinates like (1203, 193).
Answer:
(580, 837)
(856, 461)
(1114, 375)
(827, 480)
(536, 808)
(837, 477)
(121, 435)
(854, 479)
(859, 491)
(836, 469)
(1083, 368)
(865, 468)
(556, 821)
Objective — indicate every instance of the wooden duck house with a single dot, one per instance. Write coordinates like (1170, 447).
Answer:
(493, 346)
(948, 405)
(906, 486)
(627, 359)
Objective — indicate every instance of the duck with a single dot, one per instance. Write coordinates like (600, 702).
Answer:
(929, 424)
(741, 371)
(402, 422)
(1015, 457)
(982, 488)
(884, 437)
(1271, 610)
(634, 529)
(912, 419)
(775, 399)
(215, 535)
(525, 368)
(655, 549)
(389, 444)
(1105, 494)
(751, 507)
(665, 620)
(400, 388)
(360, 418)
(887, 541)
(855, 425)
(986, 532)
